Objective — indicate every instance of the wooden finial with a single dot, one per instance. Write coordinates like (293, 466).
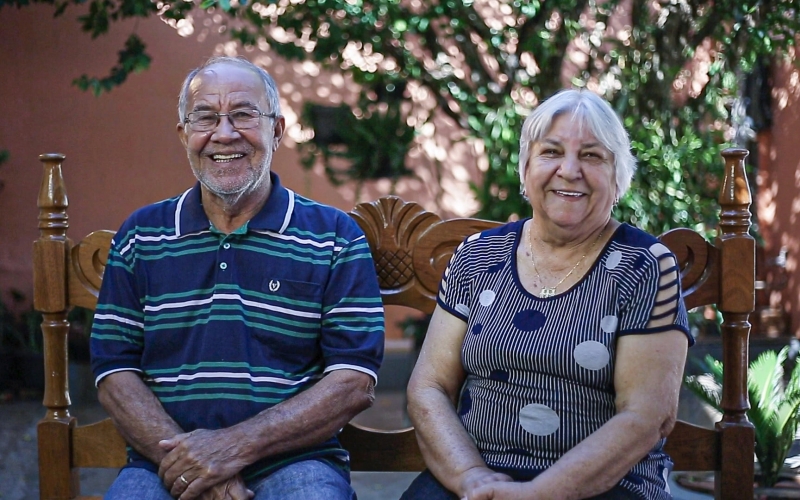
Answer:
(50, 284)
(737, 280)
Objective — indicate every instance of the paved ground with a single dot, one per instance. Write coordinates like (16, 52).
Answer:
(18, 454)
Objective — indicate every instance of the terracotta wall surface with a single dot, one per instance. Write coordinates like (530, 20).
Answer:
(779, 189)
(122, 150)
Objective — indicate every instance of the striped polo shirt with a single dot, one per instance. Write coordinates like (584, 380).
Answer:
(222, 327)
(540, 371)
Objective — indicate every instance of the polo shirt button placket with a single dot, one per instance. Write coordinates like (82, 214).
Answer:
(224, 256)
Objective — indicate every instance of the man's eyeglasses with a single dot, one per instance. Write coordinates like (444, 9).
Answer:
(241, 119)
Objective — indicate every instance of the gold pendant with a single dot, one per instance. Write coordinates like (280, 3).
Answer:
(547, 292)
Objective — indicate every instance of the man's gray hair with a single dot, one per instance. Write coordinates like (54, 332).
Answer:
(270, 88)
(589, 109)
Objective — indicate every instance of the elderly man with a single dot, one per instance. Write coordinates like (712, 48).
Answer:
(240, 325)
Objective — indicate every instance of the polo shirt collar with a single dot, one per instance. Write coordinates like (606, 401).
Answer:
(273, 216)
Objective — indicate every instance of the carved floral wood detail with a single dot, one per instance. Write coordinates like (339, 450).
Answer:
(411, 248)
(393, 228)
(89, 258)
(696, 260)
(436, 246)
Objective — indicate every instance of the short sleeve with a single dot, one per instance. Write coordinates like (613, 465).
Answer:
(352, 316)
(655, 303)
(117, 337)
(454, 289)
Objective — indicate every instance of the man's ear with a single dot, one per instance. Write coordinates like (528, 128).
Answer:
(278, 130)
(182, 135)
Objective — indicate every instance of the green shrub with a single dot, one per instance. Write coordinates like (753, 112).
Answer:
(774, 405)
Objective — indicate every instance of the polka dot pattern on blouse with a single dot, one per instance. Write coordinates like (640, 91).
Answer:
(540, 370)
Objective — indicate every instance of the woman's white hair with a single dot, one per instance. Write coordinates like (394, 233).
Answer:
(587, 109)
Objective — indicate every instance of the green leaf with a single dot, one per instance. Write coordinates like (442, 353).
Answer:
(706, 388)
(774, 408)
(764, 379)
(131, 60)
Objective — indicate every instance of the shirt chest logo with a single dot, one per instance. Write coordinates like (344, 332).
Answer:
(274, 285)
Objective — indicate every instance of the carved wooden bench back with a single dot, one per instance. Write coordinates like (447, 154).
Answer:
(411, 248)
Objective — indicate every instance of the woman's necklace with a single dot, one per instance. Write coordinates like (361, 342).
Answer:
(551, 291)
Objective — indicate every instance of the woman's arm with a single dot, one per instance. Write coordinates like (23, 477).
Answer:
(647, 379)
(433, 393)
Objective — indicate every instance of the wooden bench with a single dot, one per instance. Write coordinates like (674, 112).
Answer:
(411, 248)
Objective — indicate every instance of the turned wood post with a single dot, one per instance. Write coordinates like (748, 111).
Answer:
(50, 298)
(737, 302)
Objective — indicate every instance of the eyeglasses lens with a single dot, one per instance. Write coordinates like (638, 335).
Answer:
(240, 119)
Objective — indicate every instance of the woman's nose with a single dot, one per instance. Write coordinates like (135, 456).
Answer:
(570, 167)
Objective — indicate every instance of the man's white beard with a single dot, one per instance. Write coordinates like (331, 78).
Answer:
(231, 197)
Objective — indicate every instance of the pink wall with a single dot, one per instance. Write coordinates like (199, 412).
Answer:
(122, 151)
(779, 188)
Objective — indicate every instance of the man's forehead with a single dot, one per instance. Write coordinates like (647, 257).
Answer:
(225, 80)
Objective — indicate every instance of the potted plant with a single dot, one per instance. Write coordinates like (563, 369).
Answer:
(10, 340)
(30, 357)
(371, 145)
(20, 346)
(774, 406)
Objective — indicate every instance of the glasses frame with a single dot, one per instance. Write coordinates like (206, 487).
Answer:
(219, 115)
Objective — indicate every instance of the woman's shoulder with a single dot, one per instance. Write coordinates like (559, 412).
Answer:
(634, 252)
(501, 231)
(485, 251)
(634, 237)
(500, 236)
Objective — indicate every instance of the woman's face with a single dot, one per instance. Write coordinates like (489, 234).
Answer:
(570, 177)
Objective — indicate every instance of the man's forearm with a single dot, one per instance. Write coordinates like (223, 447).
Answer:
(308, 418)
(206, 457)
(137, 413)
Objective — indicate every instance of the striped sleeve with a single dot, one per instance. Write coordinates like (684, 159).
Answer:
(454, 290)
(352, 314)
(118, 326)
(655, 304)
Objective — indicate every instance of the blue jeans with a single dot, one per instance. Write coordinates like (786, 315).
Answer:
(307, 480)
(427, 487)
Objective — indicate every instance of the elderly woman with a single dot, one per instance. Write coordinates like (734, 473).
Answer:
(552, 364)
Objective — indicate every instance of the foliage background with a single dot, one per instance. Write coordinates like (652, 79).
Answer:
(673, 69)
(774, 404)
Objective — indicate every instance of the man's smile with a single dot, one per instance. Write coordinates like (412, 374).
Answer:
(225, 158)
